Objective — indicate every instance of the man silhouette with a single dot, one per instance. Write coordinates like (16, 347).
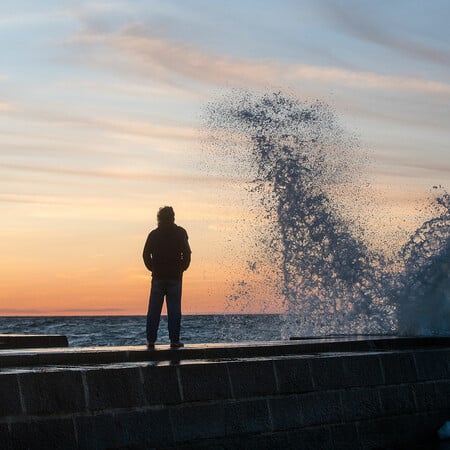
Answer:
(167, 255)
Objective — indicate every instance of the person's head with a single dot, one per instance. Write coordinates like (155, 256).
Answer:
(166, 216)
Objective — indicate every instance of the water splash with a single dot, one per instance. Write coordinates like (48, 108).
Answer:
(297, 159)
(423, 298)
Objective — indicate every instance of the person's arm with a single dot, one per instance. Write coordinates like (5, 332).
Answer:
(147, 254)
(185, 253)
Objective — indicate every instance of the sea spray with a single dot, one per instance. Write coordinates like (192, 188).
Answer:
(423, 297)
(296, 160)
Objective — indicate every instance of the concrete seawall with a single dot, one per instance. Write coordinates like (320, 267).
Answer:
(310, 394)
(10, 341)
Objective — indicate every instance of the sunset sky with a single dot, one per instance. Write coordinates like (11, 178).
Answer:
(101, 106)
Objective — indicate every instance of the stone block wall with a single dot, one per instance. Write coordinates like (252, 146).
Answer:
(345, 401)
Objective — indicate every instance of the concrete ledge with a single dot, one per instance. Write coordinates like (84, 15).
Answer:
(16, 341)
(111, 355)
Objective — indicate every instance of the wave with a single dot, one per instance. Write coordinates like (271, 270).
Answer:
(296, 159)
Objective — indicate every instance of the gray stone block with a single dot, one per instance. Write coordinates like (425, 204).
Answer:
(400, 432)
(346, 371)
(252, 378)
(52, 392)
(385, 433)
(160, 385)
(442, 388)
(310, 439)
(5, 438)
(205, 382)
(43, 434)
(145, 429)
(397, 400)
(271, 441)
(398, 368)
(320, 408)
(246, 416)
(263, 441)
(133, 429)
(114, 388)
(328, 372)
(9, 395)
(425, 395)
(293, 375)
(313, 438)
(197, 421)
(345, 436)
(95, 432)
(360, 404)
(362, 370)
(286, 412)
(433, 364)
(204, 444)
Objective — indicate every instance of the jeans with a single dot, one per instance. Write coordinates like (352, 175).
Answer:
(171, 289)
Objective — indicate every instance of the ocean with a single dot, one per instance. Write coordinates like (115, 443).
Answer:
(92, 331)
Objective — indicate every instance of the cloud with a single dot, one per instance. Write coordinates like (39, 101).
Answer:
(151, 57)
(6, 107)
(134, 89)
(167, 138)
(27, 18)
(91, 310)
(35, 200)
(116, 174)
(166, 61)
(367, 80)
(29, 311)
(22, 311)
(131, 127)
(397, 168)
(438, 167)
(364, 26)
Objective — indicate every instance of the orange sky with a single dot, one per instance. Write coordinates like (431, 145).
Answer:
(66, 260)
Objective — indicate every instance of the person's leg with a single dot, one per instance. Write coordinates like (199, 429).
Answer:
(173, 300)
(156, 300)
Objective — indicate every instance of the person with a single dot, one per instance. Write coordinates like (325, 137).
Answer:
(167, 255)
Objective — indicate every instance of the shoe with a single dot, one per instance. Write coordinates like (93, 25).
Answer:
(176, 345)
(150, 345)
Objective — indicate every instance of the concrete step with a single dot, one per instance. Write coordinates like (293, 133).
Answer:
(16, 341)
(113, 355)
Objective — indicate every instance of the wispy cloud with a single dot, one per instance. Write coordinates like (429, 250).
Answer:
(7, 107)
(91, 310)
(166, 61)
(359, 23)
(30, 311)
(171, 62)
(30, 18)
(367, 80)
(414, 167)
(116, 174)
(32, 200)
(133, 127)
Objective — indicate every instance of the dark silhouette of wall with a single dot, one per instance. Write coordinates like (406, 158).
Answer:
(394, 398)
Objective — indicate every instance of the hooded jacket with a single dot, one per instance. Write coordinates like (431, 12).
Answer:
(166, 252)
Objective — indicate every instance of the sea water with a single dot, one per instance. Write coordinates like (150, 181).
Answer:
(88, 331)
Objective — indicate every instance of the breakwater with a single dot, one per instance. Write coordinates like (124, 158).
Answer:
(11, 341)
(361, 393)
